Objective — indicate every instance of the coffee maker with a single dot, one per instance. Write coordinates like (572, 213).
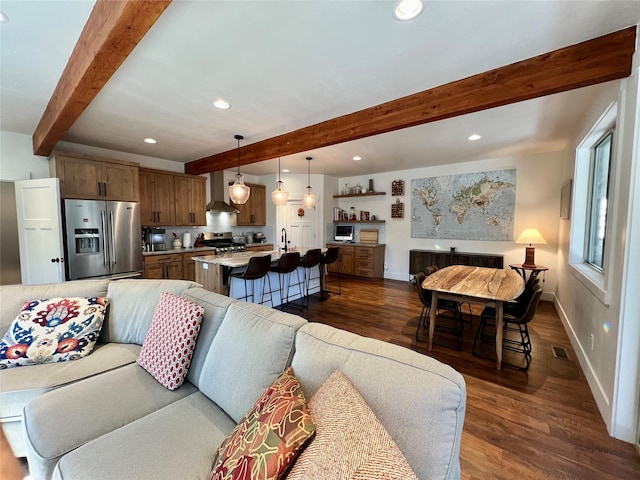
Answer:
(154, 239)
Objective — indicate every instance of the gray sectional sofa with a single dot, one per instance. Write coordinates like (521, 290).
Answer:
(104, 417)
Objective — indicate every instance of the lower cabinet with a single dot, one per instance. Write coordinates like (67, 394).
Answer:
(189, 266)
(359, 260)
(259, 247)
(165, 266)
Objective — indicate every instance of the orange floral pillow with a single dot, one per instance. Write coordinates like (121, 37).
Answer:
(269, 437)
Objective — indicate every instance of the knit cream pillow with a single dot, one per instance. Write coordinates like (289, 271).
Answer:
(350, 442)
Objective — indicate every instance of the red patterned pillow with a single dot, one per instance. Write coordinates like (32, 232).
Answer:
(269, 437)
(167, 350)
(350, 441)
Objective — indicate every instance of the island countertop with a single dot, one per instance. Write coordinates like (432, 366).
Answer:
(241, 259)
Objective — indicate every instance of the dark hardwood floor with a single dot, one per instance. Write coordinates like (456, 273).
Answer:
(540, 424)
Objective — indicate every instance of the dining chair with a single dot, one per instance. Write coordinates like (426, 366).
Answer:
(448, 305)
(331, 255)
(516, 318)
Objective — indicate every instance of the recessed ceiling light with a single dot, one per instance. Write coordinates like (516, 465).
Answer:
(357, 158)
(285, 170)
(3, 18)
(150, 140)
(222, 104)
(474, 137)
(407, 9)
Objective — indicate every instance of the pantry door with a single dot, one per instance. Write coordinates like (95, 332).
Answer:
(301, 225)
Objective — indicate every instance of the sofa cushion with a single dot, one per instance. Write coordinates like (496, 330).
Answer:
(19, 385)
(215, 308)
(61, 420)
(178, 441)
(343, 421)
(408, 392)
(53, 330)
(13, 297)
(270, 435)
(166, 352)
(132, 305)
(253, 347)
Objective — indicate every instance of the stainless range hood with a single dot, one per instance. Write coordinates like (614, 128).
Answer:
(217, 203)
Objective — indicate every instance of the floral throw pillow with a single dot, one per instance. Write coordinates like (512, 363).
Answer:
(168, 347)
(53, 330)
(269, 437)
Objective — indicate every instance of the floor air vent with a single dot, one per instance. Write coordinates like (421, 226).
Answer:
(560, 352)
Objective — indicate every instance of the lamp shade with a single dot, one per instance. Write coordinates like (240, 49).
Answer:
(531, 236)
(309, 199)
(279, 196)
(239, 192)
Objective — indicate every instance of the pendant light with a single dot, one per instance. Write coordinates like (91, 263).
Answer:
(239, 192)
(309, 199)
(279, 196)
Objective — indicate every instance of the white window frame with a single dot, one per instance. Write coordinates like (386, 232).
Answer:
(595, 279)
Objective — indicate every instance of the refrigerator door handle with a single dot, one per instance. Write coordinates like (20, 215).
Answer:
(113, 238)
(104, 237)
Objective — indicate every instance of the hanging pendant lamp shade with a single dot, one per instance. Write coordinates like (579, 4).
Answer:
(279, 196)
(239, 192)
(309, 199)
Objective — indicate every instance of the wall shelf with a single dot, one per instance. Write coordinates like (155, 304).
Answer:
(359, 221)
(369, 194)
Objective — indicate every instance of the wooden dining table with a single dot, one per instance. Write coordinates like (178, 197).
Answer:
(479, 285)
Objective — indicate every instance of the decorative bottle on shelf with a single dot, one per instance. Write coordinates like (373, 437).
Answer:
(352, 213)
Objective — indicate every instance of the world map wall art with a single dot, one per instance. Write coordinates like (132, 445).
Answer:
(470, 206)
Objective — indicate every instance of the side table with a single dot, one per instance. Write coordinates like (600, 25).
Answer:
(534, 271)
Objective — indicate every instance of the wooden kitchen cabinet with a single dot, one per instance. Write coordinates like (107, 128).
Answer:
(89, 178)
(360, 260)
(259, 247)
(190, 200)
(157, 195)
(254, 212)
(189, 265)
(164, 266)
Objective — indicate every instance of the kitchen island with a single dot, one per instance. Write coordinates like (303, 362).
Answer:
(213, 273)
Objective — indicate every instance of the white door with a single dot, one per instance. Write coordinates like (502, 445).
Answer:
(40, 230)
(300, 224)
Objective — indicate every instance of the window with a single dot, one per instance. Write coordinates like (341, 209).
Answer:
(598, 194)
(593, 184)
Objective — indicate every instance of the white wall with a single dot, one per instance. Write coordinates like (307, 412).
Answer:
(538, 183)
(17, 161)
(611, 365)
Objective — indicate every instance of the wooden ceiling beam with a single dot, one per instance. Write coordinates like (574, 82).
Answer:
(594, 61)
(112, 31)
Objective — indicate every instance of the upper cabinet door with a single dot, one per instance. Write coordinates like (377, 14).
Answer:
(182, 203)
(147, 198)
(199, 201)
(164, 191)
(120, 182)
(79, 177)
(254, 212)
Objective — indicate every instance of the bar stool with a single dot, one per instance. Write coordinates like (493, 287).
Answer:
(257, 268)
(327, 258)
(287, 264)
(310, 260)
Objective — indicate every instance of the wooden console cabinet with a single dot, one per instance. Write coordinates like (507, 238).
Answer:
(420, 260)
(90, 178)
(359, 260)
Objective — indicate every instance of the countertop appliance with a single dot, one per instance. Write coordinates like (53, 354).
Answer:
(102, 239)
(154, 239)
(222, 241)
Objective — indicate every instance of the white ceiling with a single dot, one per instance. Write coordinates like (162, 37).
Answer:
(284, 65)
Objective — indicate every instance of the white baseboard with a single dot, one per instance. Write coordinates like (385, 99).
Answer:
(602, 400)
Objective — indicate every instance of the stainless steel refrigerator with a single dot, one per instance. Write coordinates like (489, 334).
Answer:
(102, 239)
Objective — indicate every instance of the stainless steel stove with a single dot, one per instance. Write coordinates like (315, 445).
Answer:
(223, 242)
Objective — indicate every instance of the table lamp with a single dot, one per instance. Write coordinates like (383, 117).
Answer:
(530, 236)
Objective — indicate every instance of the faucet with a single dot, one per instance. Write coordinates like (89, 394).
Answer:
(284, 239)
